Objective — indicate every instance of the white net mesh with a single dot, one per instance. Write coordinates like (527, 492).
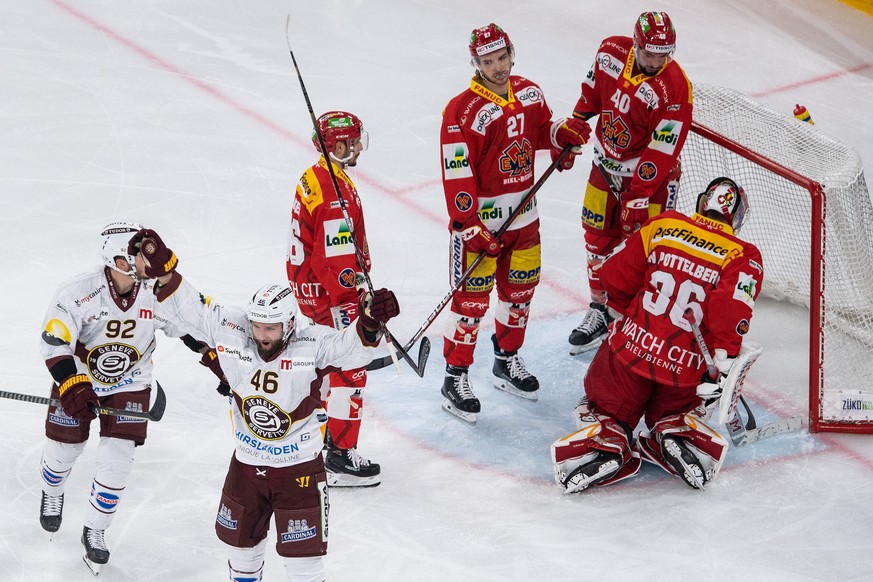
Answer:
(780, 224)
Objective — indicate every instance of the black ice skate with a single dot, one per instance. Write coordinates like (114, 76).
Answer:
(603, 466)
(96, 553)
(511, 376)
(347, 468)
(685, 462)
(51, 512)
(592, 331)
(459, 398)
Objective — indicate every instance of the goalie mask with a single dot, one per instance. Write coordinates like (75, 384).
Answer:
(488, 39)
(341, 126)
(273, 304)
(114, 240)
(726, 198)
(654, 33)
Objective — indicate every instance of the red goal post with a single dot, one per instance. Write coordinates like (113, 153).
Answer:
(812, 219)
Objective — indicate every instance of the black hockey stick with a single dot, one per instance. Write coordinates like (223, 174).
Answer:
(155, 413)
(386, 361)
(403, 352)
(741, 434)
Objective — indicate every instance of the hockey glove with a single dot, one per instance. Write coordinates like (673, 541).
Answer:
(570, 131)
(160, 260)
(634, 213)
(78, 397)
(223, 388)
(377, 307)
(566, 163)
(210, 360)
(478, 238)
(710, 389)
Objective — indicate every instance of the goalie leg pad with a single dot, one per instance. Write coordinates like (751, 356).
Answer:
(597, 454)
(684, 446)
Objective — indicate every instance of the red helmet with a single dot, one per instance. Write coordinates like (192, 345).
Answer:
(489, 39)
(339, 126)
(654, 32)
(728, 199)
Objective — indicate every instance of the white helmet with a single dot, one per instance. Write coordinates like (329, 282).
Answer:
(726, 198)
(274, 304)
(114, 240)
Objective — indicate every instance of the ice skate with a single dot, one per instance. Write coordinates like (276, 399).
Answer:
(592, 331)
(511, 376)
(599, 469)
(683, 461)
(96, 554)
(51, 512)
(347, 468)
(459, 398)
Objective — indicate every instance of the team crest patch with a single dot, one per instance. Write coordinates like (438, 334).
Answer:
(463, 201)
(347, 278)
(647, 171)
(743, 327)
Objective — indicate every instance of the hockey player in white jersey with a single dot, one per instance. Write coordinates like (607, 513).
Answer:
(275, 372)
(98, 341)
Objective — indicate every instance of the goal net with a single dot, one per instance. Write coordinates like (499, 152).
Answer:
(812, 219)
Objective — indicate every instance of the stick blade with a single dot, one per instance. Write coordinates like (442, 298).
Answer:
(156, 410)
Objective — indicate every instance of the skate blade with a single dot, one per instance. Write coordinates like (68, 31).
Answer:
(507, 387)
(94, 566)
(576, 350)
(465, 416)
(343, 480)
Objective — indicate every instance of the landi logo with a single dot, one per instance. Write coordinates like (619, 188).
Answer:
(456, 162)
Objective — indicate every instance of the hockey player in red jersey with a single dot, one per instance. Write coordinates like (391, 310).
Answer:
(323, 271)
(651, 367)
(489, 137)
(644, 103)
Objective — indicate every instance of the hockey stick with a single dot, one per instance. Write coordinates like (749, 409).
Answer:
(385, 361)
(155, 413)
(740, 434)
(358, 253)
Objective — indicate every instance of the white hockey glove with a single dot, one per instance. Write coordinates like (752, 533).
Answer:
(710, 389)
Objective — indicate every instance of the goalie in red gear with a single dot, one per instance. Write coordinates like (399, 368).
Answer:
(489, 137)
(644, 103)
(323, 272)
(651, 366)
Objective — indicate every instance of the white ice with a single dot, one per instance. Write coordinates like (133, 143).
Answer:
(187, 116)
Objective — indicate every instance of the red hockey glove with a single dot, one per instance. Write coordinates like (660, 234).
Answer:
(570, 131)
(478, 238)
(160, 260)
(634, 213)
(566, 163)
(78, 397)
(377, 307)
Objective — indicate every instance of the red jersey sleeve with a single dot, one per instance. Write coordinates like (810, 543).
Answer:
(460, 146)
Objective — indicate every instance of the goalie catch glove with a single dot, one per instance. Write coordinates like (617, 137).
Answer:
(710, 389)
